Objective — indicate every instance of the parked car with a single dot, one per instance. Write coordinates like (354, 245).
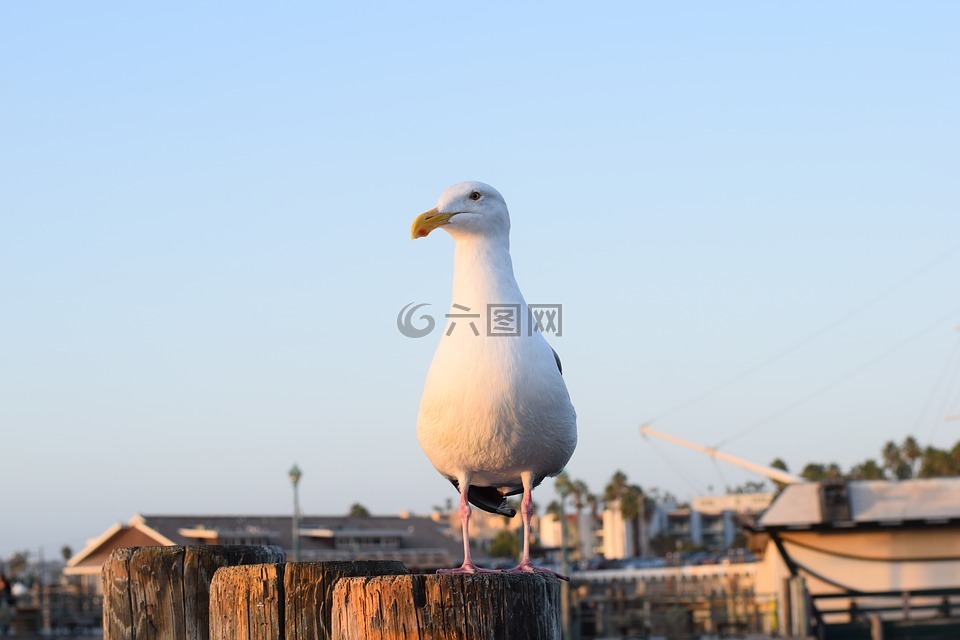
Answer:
(648, 562)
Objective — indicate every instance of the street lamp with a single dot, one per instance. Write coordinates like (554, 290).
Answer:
(295, 480)
(564, 491)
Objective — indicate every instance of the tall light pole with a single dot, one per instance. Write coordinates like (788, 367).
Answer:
(564, 491)
(295, 480)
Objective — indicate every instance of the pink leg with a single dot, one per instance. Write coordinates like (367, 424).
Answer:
(468, 566)
(526, 513)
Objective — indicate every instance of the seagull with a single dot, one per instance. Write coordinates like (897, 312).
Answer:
(495, 417)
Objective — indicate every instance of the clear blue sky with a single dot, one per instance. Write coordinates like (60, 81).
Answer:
(205, 209)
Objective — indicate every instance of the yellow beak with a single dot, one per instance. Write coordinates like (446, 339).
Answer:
(427, 222)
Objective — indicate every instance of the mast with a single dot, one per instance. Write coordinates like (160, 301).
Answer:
(776, 475)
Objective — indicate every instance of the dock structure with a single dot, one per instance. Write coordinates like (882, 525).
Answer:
(289, 601)
(164, 592)
(250, 593)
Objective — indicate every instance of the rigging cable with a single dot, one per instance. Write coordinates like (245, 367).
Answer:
(953, 366)
(677, 468)
(723, 478)
(837, 381)
(749, 371)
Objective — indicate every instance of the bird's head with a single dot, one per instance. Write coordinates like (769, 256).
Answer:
(467, 208)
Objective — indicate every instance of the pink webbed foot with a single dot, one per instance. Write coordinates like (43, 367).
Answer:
(527, 567)
(468, 567)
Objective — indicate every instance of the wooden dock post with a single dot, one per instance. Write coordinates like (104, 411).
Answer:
(505, 606)
(154, 593)
(290, 601)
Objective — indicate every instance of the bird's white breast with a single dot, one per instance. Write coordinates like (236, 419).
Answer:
(495, 406)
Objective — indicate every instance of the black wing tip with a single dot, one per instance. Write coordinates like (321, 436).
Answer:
(490, 499)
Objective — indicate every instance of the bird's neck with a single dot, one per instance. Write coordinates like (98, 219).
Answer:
(483, 272)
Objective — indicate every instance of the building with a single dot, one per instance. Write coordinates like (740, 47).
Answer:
(421, 543)
(838, 553)
(623, 537)
(712, 522)
(715, 524)
(582, 539)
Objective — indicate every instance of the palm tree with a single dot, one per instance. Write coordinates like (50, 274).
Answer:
(893, 460)
(579, 491)
(939, 463)
(867, 470)
(616, 489)
(817, 472)
(357, 510)
(632, 503)
(593, 502)
(554, 509)
(778, 463)
(563, 485)
(911, 453)
(566, 487)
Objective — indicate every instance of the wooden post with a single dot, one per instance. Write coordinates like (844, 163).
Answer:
(282, 602)
(164, 592)
(502, 606)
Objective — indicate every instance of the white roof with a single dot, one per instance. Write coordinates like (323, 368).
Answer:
(870, 501)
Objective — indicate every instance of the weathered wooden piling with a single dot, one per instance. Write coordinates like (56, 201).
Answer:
(164, 592)
(248, 593)
(292, 601)
(448, 607)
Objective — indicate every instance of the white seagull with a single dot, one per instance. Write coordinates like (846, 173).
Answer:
(495, 417)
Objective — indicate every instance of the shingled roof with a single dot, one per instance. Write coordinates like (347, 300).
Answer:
(419, 542)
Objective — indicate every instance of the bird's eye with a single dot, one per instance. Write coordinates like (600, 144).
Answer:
(475, 195)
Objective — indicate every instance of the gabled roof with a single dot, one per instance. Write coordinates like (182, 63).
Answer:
(135, 533)
(871, 502)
